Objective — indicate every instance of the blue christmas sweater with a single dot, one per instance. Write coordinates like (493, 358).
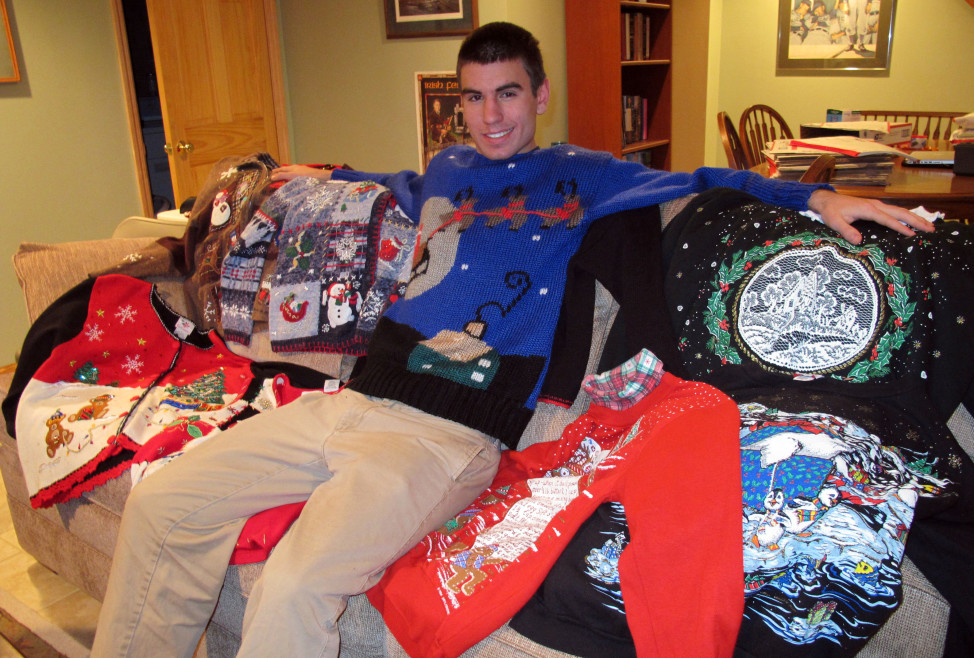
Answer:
(471, 338)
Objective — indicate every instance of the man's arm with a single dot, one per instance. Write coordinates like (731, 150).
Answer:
(287, 172)
(838, 211)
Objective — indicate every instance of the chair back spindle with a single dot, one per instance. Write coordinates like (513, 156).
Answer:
(937, 126)
(732, 142)
(759, 125)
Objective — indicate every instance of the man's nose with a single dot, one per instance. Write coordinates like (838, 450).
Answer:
(492, 111)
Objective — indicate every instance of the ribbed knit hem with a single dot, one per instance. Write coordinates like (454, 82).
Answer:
(502, 418)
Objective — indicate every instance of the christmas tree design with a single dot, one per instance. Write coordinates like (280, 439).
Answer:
(208, 389)
(87, 374)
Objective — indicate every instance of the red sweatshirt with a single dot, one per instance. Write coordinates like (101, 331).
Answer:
(672, 459)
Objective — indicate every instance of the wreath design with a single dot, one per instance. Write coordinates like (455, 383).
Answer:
(893, 333)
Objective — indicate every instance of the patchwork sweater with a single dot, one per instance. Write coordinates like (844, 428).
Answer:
(343, 253)
(470, 340)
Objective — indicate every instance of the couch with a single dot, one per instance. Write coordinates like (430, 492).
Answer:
(76, 539)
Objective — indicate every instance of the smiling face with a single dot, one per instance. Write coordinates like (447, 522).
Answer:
(499, 107)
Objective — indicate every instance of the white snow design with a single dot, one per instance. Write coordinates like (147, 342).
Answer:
(94, 332)
(132, 364)
(126, 314)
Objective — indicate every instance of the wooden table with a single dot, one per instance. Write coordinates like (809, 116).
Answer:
(935, 188)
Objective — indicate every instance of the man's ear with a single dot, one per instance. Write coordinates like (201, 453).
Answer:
(543, 96)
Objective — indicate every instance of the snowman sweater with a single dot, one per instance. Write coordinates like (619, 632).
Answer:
(471, 338)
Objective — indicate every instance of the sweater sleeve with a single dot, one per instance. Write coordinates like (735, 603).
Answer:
(622, 252)
(60, 322)
(629, 184)
(406, 186)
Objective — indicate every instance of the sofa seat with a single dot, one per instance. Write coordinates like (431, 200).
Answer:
(77, 539)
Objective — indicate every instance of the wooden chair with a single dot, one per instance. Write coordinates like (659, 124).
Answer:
(732, 142)
(759, 125)
(937, 126)
(820, 171)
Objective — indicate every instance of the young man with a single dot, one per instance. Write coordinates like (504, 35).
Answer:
(454, 369)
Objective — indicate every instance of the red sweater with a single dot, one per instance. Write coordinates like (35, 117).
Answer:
(672, 459)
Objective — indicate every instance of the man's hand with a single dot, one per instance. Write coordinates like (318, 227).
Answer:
(287, 172)
(838, 211)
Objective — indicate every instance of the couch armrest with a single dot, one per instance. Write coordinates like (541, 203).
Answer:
(46, 271)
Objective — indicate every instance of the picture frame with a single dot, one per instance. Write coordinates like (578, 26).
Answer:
(9, 70)
(429, 18)
(834, 37)
(439, 114)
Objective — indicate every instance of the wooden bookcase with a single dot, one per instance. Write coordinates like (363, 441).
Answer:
(598, 78)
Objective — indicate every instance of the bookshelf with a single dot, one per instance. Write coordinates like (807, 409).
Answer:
(611, 56)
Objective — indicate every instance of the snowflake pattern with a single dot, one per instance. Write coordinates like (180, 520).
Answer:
(94, 332)
(126, 314)
(346, 248)
(132, 364)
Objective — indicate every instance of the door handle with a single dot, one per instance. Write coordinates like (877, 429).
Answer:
(180, 147)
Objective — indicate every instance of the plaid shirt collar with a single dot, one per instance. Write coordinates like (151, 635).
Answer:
(624, 386)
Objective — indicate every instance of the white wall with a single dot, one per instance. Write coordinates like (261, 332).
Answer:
(932, 52)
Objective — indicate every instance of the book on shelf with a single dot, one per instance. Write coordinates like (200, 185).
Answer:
(635, 36)
(635, 124)
(857, 161)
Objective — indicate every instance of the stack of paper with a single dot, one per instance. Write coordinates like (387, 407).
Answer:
(884, 132)
(857, 161)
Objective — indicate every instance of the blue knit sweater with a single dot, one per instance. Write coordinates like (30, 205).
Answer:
(471, 338)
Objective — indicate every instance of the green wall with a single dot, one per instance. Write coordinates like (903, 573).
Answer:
(67, 171)
(351, 90)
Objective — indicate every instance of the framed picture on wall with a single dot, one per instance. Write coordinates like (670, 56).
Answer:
(834, 36)
(430, 18)
(439, 114)
(9, 71)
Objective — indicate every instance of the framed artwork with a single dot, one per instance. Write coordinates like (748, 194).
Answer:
(430, 18)
(834, 36)
(9, 71)
(439, 115)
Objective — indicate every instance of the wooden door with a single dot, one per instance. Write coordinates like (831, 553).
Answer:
(218, 67)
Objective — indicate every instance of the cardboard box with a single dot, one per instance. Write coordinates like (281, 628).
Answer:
(899, 134)
(842, 115)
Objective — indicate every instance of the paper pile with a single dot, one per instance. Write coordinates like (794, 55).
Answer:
(857, 161)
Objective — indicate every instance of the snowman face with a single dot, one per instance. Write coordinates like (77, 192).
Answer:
(221, 209)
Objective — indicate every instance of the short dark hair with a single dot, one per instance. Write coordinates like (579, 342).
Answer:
(503, 42)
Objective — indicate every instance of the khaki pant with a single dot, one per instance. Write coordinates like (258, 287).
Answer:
(377, 476)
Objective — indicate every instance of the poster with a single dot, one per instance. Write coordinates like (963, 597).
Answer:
(439, 115)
